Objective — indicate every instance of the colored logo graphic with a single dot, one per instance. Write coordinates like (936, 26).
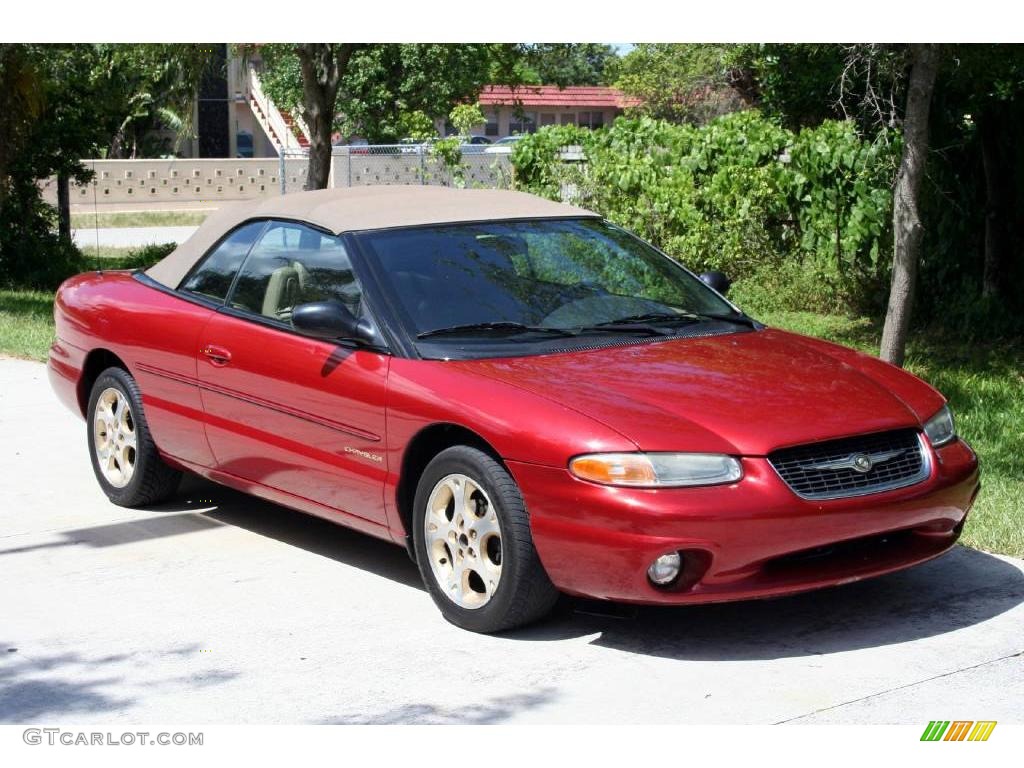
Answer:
(958, 730)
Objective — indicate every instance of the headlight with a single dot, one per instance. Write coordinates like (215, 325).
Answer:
(940, 427)
(656, 470)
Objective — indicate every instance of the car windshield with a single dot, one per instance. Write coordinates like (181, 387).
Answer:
(535, 280)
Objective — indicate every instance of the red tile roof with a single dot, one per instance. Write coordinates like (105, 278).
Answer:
(553, 96)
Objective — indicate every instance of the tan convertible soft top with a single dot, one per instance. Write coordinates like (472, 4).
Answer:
(360, 208)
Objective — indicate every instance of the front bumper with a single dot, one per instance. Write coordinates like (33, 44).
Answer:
(755, 538)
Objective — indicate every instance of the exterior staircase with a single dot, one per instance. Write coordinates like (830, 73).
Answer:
(287, 132)
(295, 128)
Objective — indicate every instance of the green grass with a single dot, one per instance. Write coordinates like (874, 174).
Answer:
(984, 384)
(26, 323)
(985, 387)
(139, 219)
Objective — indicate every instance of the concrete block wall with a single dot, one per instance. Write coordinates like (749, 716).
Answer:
(207, 182)
(136, 182)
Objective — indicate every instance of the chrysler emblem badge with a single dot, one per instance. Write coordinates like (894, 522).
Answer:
(862, 463)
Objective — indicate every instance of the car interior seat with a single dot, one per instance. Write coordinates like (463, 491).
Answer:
(284, 290)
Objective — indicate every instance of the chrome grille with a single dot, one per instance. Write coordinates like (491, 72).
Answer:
(828, 470)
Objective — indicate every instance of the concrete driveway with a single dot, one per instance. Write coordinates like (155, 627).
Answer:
(219, 608)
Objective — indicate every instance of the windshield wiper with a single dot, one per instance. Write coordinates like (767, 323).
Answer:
(688, 317)
(650, 317)
(642, 323)
(507, 328)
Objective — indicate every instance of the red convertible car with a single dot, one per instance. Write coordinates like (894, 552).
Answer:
(528, 398)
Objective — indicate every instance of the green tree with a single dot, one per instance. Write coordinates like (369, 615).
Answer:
(960, 193)
(63, 103)
(368, 89)
(156, 85)
(980, 106)
(796, 83)
(416, 125)
(569, 64)
(463, 117)
(69, 115)
(908, 229)
(681, 82)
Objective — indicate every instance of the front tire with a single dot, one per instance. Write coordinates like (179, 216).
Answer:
(124, 458)
(473, 544)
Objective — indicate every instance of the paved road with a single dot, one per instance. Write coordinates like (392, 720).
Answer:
(130, 237)
(219, 608)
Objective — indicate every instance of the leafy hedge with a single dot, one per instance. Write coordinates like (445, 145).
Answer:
(801, 218)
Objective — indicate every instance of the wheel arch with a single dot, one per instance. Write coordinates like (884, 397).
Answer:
(422, 448)
(96, 362)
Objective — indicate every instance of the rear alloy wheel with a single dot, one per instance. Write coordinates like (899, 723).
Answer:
(125, 460)
(114, 437)
(473, 544)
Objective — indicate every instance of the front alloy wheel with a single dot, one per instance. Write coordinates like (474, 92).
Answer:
(474, 546)
(463, 541)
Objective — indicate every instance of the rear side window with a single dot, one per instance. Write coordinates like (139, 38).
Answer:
(213, 278)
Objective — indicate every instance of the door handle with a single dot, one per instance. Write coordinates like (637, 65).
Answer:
(217, 355)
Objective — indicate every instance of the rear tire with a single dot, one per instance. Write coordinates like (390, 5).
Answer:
(124, 458)
(473, 544)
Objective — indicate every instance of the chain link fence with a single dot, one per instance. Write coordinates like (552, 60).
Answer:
(375, 164)
(293, 170)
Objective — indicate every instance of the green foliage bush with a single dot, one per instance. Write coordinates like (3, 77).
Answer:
(31, 253)
(143, 257)
(805, 214)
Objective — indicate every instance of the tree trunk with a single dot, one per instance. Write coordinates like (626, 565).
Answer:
(64, 206)
(993, 130)
(323, 66)
(907, 228)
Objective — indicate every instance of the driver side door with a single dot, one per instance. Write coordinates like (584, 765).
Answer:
(284, 411)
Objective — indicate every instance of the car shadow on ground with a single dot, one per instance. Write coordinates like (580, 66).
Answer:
(960, 589)
(313, 534)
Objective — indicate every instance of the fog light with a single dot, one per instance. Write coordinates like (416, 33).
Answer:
(665, 569)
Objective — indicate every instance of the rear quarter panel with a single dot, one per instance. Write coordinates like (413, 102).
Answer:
(154, 334)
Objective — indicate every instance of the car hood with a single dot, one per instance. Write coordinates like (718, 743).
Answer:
(744, 393)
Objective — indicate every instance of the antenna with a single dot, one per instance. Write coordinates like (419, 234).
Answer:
(96, 215)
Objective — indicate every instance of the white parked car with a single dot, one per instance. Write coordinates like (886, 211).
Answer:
(502, 146)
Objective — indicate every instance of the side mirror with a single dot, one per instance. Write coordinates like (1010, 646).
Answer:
(716, 280)
(332, 320)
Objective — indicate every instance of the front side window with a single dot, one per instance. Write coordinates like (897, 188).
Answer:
(213, 277)
(295, 264)
(568, 276)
